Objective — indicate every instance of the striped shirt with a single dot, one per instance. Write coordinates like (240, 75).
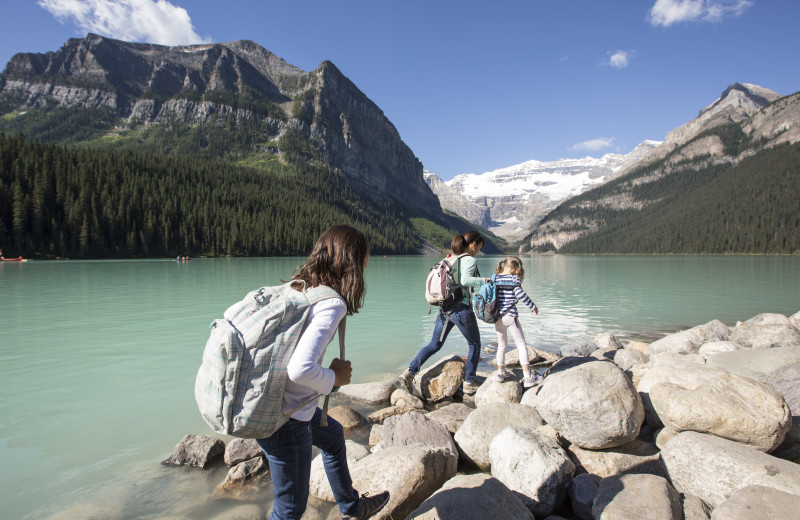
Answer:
(509, 293)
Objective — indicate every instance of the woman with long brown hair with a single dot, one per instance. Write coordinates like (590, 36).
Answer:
(337, 260)
(459, 315)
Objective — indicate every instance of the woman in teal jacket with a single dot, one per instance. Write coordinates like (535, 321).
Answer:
(459, 314)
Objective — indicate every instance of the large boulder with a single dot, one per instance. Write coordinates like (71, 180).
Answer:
(718, 346)
(452, 416)
(624, 497)
(593, 405)
(628, 357)
(441, 380)
(578, 349)
(351, 420)
(410, 473)
(371, 393)
(581, 494)
(472, 497)
(493, 391)
(637, 456)
(532, 465)
(196, 450)
(318, 484)
(682, 373)
(766, 331)
(760, 502)
(476, 434)
(729, 406)
(690, 341)
(755, 363)
(713, 468)
(240, 450)
(607, 340)
(786, 381)
(414, 427)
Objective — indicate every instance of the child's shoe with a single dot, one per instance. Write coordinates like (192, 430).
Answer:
(533, 380)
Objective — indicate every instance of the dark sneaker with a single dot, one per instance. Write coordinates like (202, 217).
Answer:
(405, 381)
(369, 506)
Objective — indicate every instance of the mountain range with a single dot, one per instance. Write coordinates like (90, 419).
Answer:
(219, 136)
(511, 201)
(234, 102)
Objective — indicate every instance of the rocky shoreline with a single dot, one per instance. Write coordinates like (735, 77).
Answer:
(700, 424)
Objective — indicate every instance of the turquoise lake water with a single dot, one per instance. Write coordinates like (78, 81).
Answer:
(99, 357)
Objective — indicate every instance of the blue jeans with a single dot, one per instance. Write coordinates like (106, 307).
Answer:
(288, 452)
(462, 317)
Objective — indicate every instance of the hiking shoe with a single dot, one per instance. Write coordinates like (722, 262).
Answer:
(405, 381)
(500, 376)
(532, 381)
(369, 506)
(470, 387)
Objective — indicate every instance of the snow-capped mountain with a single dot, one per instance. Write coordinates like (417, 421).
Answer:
(508, 201)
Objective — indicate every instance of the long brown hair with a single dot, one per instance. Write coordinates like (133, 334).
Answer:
(337, 261)
(460, 243)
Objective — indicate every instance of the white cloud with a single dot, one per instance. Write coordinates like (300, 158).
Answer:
(620, 59)
(669, 12)
(594, 145)
(151, 21)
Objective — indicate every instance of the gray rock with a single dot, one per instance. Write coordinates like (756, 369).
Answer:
(755, 364)
(379, 416)
(682, 373)
(413, 428)
(370, 393)
(795, 319)
(249, 481)
(196, 450)
(349, 418)
(493, 391)
(452, 416)
(534, 466)
(637, 456)
(607, 340)
(624, 497)
(766, 331)
(440, 381)
(472, 497)
(786, 381)
(604, 353)
(713, 468)
(411, 474)
(240, 450)
(578, 349)
(729, 406)
(628, 357)
(694, 508)
(475, 435)
(718, 346)
(760, 502)
(582, 493)
(375, 435)
(690, 341)
(593, 405)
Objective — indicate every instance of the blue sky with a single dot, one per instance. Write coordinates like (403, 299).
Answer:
(474, 86)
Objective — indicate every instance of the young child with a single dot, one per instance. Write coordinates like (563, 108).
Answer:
(508, 284)
(337, 261)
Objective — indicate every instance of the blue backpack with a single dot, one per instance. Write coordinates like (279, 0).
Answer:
(485, 303)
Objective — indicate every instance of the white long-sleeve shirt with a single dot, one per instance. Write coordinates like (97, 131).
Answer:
(307, 376)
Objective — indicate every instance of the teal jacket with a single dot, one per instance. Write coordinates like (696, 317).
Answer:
(468, 275)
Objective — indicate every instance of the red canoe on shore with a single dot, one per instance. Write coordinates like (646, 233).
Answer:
(20, 259)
